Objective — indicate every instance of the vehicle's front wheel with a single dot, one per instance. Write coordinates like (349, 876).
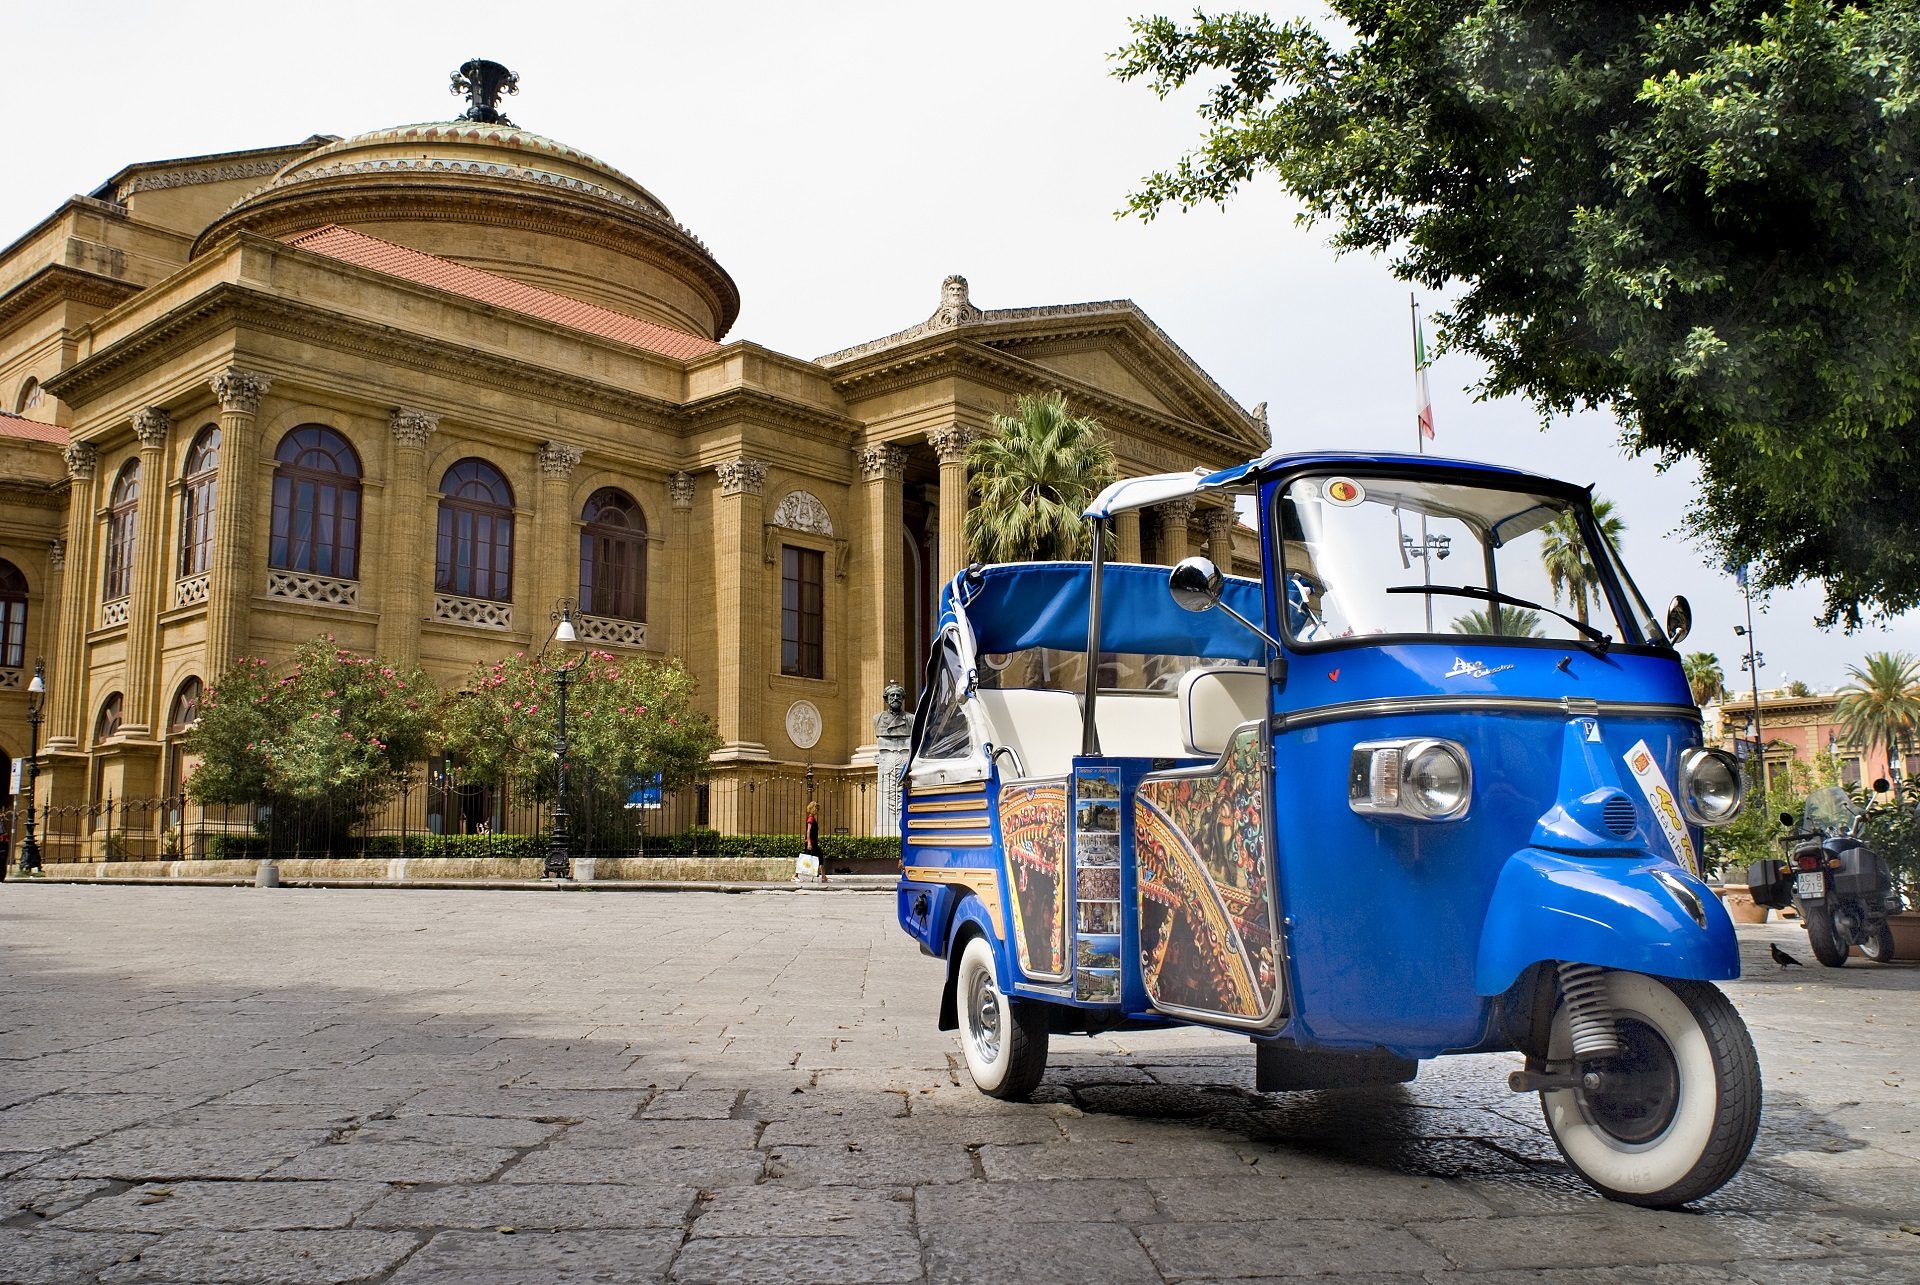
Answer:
(1823, 934)
(1005, 1040)
(1677, 1108)
(1878, 945)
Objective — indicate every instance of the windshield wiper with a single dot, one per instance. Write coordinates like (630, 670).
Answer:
(1590, 637)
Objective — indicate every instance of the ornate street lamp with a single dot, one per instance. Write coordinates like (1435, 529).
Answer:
(559, 846)
(36, 703)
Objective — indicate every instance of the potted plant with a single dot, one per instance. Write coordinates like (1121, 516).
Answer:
(1893, 831)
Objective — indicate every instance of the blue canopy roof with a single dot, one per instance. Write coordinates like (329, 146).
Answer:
(1044, 604)
(1138, 492)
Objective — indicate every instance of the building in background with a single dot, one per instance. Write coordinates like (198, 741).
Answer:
(410, 388)
(1802, 727)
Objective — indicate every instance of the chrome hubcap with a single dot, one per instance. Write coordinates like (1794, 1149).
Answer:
(983, 1007)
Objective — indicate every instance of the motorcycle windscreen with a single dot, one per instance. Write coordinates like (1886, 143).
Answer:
(1209, 944)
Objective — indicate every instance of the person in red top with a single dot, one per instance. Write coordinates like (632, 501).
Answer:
(810, 841)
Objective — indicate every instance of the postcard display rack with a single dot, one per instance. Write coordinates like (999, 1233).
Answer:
(1096, 884)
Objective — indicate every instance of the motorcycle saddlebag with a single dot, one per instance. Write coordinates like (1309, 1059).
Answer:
(1768, 885)
(1859, 875)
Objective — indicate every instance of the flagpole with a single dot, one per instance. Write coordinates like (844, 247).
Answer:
(1413, 314)
(1420, 445)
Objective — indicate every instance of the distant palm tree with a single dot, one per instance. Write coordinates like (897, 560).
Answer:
(1881, 706)
(1570, 568)
(1031, 478)
(1704, 678)
(1507, 622)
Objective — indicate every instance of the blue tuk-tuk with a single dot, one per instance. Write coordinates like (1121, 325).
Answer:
(1433, 783)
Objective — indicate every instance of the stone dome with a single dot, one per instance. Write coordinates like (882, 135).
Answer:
(506, 200)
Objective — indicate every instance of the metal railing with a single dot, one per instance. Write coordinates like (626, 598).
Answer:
(429, 807)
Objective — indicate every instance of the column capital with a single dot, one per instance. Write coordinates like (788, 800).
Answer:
(151, 425)
(884, 462)
(1176, 510)
(558, 459)
(680, 488)
(1216, 522)
(411, 428)
(951, 443)
(82, 458)
(240, 390)
(742, 476)
(57, 554)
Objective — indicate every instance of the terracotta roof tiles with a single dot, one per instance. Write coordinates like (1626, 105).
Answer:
(424, 269)
(23, 429)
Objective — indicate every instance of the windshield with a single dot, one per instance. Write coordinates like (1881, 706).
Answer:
(1367, 556)
(1830, 812)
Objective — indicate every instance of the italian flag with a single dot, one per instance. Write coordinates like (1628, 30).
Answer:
(1422, 400)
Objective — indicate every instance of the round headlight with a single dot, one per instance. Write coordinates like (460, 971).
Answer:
(1436, 780)
(1711, 787)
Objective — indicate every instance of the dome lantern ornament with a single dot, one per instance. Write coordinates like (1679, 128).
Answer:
(483, 81)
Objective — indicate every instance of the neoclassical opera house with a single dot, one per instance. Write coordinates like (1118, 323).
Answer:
(409, 388)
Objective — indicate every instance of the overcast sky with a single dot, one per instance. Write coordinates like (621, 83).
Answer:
(840, 159)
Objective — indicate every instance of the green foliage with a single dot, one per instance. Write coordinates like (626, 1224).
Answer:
(1893, 831)
(1701, 218)
(626, 719)
(1032, 477)
(326, 725)
(1569, 559)
(1510, 622)
(1704, 677)
(1755, 834)
(1881, 703)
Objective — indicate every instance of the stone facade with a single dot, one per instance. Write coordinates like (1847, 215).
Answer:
(399, 305)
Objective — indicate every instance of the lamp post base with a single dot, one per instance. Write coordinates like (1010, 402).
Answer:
(559, 864)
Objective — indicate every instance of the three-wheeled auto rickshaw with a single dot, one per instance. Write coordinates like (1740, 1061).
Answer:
(1431, 783)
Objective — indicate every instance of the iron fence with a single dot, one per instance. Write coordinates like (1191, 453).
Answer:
(432, 805)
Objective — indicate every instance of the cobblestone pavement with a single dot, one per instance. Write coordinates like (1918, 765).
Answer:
(215, 1085)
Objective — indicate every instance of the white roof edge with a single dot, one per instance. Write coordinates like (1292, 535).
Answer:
(1138, 492)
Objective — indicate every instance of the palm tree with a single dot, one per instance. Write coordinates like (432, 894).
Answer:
(1882, 703)
(1031, 478)
(1568, 559)
(1507, 622)
(1703, 676)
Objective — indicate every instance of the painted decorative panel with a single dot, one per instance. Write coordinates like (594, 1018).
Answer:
(1033, 829)
(1207, 938)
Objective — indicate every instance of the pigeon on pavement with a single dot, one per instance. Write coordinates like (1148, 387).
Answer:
(1781, 957)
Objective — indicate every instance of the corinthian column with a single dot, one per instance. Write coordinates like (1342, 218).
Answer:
(234, 563)
(1218, 524)
(404, 599)
(742, 621)
(881, 611)
(678, 571)
(556, 566)
(950, 444)
(68, 680)
(152, 426)
(1174, 542)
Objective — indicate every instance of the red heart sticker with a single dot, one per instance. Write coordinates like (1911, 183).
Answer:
(1333, 675)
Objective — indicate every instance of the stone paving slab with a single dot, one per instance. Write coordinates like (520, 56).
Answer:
(697, 1087)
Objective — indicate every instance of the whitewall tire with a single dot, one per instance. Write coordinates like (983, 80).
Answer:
(1677, 1110)
(1005, 1040)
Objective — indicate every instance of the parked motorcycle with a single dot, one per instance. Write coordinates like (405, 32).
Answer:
(1842, 889)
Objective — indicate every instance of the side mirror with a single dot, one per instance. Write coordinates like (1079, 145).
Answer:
(1786, 819)
(1679, 619)
(1195, 584)
(1880, 785)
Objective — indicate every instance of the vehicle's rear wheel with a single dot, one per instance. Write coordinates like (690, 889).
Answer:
(1677, 1109)
(1823, 934)
(1005, 1040)
(1878, 946)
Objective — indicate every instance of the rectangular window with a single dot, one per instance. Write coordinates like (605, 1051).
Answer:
(802, 612)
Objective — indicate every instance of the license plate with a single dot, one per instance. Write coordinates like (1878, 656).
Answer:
(1810, 886)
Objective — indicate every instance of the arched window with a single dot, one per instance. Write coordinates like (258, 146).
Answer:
(613, 556)
(198, 483)
(181, 717)
(475, 547)
(316, 504)
(185, 711)
(13, 617)
(31, 395)
(123, 511)
(107, 722)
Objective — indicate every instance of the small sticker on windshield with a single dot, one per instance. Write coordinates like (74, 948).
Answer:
(1344, 492)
